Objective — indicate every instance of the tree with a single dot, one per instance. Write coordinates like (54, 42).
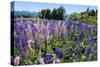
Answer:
(48, 14)
(42, 14)
(92, 13)
(73, 17)
(61, 13)
(54, 14)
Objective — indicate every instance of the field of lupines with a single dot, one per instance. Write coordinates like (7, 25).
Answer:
(42, 41)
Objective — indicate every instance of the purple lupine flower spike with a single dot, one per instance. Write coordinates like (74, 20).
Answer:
(17, 60)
